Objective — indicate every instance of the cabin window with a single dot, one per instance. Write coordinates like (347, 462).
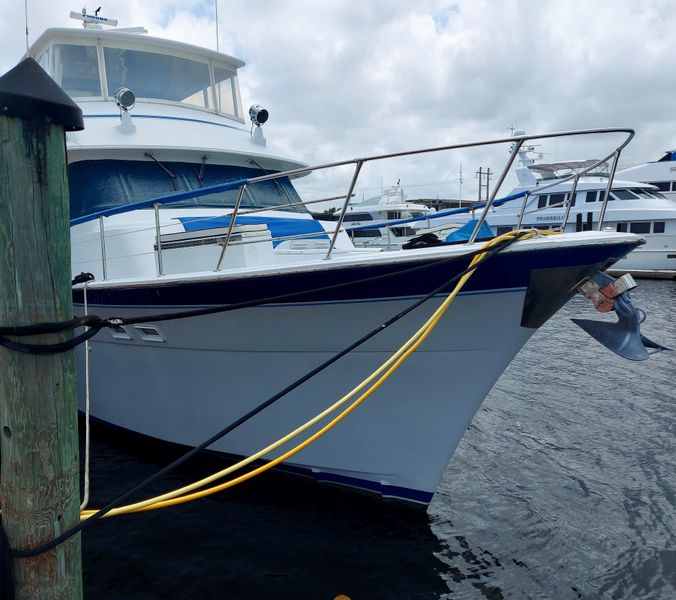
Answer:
(43, 61)
(501, 230)
(365, 233)
(642, 193)
(625, 195)
(97, 185)
(662, 186)
(622, 227)
(542, 201)
(590, 197)
(393, 214)
(402, 231)
(351, 217)
(658, 227)
(226, 92)
(151, 75)
(556, 199)
(76, 70)
(643, 227)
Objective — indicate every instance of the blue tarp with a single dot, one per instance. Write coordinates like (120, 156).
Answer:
(462, 234)
(278, 226)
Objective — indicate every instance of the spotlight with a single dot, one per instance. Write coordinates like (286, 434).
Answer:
(258, 114)
(125, 99)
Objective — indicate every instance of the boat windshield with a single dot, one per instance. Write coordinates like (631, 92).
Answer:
(98, 185)
(150, 75)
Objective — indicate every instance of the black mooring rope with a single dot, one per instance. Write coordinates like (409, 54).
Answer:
(95, 323)
(490, 253)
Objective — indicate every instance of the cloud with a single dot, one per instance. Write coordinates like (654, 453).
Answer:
(344, 78)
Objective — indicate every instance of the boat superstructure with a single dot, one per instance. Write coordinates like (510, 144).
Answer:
(177, 207)
(661, 173)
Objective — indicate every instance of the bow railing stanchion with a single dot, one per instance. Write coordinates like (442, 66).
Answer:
(341, 217)
(496, 188)
(602, 215)
(233, 218)
(102, 233)
(569, 204)
(158, 233)
(523, 210)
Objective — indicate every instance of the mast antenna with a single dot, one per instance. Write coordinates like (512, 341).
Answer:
(216, 7)
(25, 11)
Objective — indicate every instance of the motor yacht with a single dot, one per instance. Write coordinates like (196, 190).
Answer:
(178, 204)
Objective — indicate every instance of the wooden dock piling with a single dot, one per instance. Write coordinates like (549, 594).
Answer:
(39, 463)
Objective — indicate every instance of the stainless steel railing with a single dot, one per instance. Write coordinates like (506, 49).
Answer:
(516, 141)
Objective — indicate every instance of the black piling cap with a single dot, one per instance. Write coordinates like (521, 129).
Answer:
(28, 93)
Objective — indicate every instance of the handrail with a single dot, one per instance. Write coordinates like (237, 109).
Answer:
(517, 142)
(168, 199)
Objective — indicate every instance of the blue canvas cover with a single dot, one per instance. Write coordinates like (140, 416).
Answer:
(462, 234)
(278, 226)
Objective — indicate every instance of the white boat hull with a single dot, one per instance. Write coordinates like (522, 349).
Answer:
(212, 370)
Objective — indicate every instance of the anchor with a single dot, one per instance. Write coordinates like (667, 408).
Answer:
(623, 337)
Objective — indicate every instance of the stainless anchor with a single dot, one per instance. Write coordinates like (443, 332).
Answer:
(623, 337)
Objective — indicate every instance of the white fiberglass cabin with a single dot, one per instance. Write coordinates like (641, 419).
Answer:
(160, 117)
(660, 173)
(178, 206)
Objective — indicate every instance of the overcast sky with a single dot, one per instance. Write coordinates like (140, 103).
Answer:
(346, 78)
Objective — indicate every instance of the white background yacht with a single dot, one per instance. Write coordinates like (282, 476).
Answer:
(660, 173)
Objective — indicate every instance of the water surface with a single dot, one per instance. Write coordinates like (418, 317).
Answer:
(563, 487)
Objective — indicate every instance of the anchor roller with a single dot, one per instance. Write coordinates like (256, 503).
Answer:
(623, 337)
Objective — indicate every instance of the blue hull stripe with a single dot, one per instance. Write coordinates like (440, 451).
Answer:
(506, 271)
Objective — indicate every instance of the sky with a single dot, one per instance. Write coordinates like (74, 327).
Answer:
(344, 79)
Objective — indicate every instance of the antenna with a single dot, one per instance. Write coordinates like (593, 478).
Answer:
(25, 10)
(216, 7)
(92, 21)
(460, 182)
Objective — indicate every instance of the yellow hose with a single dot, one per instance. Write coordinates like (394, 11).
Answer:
(388, 367)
